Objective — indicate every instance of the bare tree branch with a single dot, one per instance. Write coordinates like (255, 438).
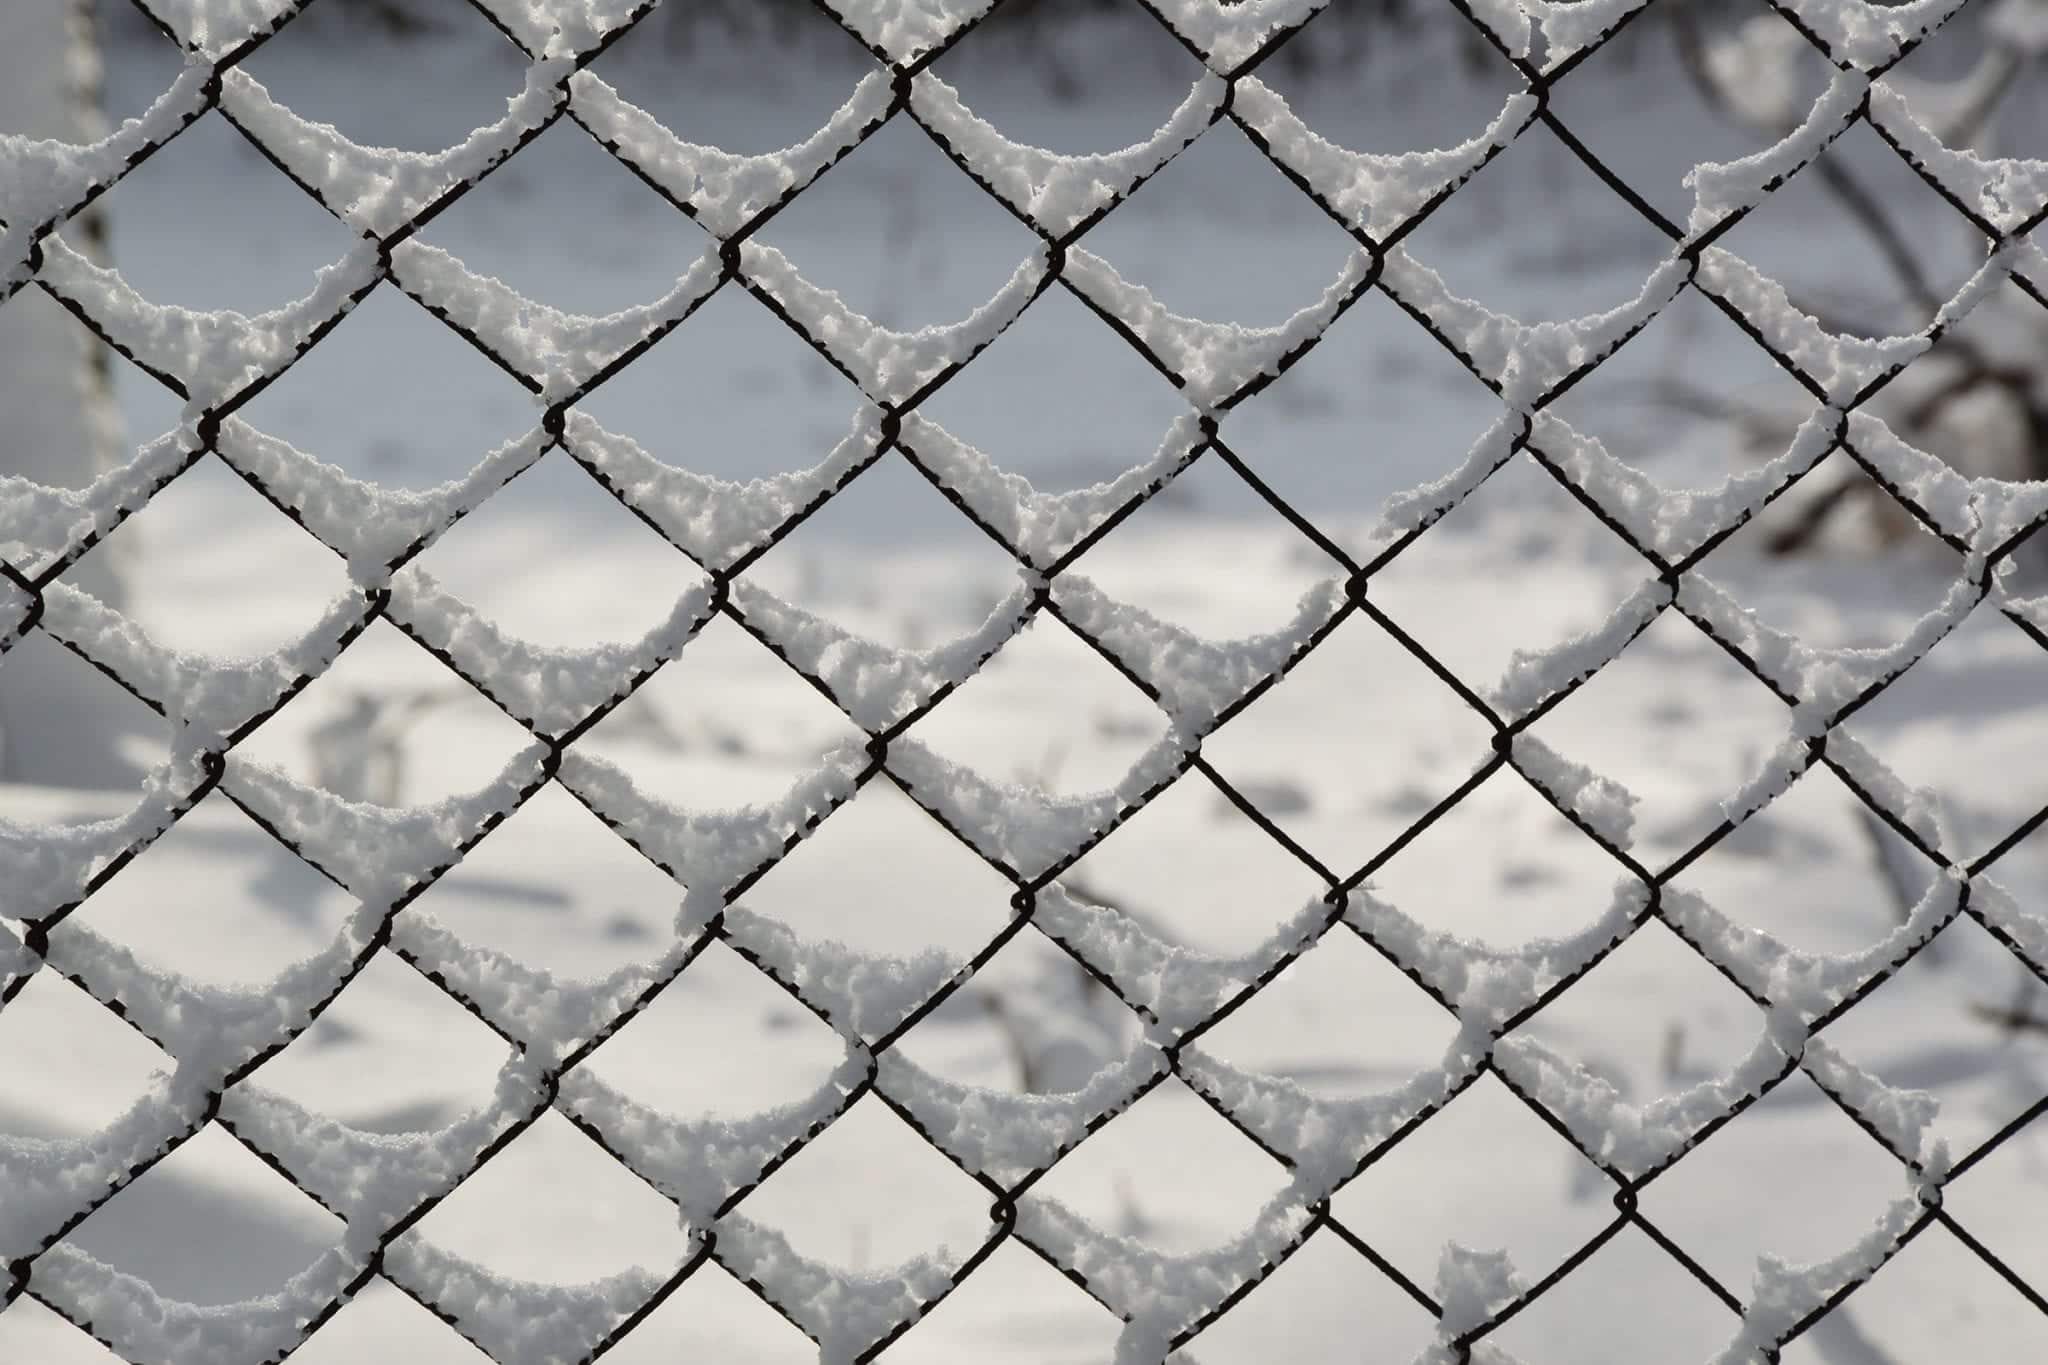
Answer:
(2011, 1020)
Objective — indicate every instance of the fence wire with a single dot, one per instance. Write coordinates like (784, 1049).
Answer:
(222, 1039)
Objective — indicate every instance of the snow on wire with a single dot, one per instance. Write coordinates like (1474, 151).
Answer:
(385, 858)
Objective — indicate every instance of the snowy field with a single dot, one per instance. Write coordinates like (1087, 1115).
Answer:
(1343, 755)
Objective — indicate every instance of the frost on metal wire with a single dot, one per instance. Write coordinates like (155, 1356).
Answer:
(378, 1185)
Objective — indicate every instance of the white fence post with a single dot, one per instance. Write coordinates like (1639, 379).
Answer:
(60, 423)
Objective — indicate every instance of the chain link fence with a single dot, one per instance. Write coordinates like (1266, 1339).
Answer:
(1007, 1144)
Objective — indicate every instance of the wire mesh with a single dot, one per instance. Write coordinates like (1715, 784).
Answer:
(222, 1042)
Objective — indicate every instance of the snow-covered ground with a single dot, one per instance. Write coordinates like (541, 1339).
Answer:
(1344, 754)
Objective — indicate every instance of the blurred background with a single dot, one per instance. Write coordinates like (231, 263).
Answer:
(1344, 754)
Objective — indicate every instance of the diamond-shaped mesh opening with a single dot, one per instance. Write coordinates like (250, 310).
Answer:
(1542, 876)
(1599, 257)
(252, 251)
(1362, 735)
(73, 1067)
(1939, 77)
(1392, 95)
(1952, 1023)
(1376, 407)
(888, 559)
(48, 345)
(1745, 76)
(1040, 76)
(732, 393)
(1113, 411)
(1428, 1191)
(554, 888)
(1863, 198)
(993, 724)
(1814, 869)
(591, 1218)
(1691, 400)
(393, 396)
(1031, 1020)
(835, 883)
(870, 1194)
(1829, 1180)
(1211, 204)
(190, 538)
(724, 724)
(1339, 1021)
(1194, 869)
(1517, 520)
(209, 1224)
(496, 559)
(388, 724)
(1966, 400)
(565, 224)
(1808, 566)
(1168, 1172)
(346, 1065)
(1675, 721)
(865, 231)
(1949, 715)
(722, 1041)
(678, 64)
(1211, 500)
(119, 740)
(362, 68)
(214, 877)
(1697, 1026)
